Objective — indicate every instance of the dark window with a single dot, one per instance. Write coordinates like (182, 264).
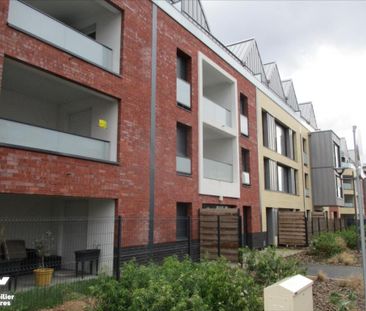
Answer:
(281, 141)
(243, 105)
(182, 220)
(339, 187)
(182, 140)
(265, 129)
(307, 181)
(183, 64)
(336, 156)
(267, 174)
(304, 146)
(245, 160)
(283, 179)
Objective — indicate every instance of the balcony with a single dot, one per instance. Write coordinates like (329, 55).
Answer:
(214, 113)
(244, 125)
(183, 165)
(307, 192)
(245, 177)
(217, 170)
(183, 93)
(306, 158)
(39, 23)
(25, 135)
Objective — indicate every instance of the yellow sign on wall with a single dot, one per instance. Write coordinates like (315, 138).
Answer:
(103, 123)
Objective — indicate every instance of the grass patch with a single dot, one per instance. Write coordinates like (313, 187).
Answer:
(41, 298)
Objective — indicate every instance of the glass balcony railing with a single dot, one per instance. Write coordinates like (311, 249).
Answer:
(349, 205)
(307, 192)
(217, 170)
(183, 165)
(46, 28)
(216, 113)
(30, 136)
(306, 158)
(244, 125)
(183, 93)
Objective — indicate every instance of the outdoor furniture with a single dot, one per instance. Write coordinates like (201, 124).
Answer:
(91, 255)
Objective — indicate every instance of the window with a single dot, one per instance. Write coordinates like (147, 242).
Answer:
(286, 179)
(347, 183)
(243, 105)
(183, 149)
(245, 157)
(307, 184)
(336, 156)
(304, 146)
(267, 174)
(281, 141)
(348, 200)
(339, 187)
(183, 62)
(265, 129)
(182, 214)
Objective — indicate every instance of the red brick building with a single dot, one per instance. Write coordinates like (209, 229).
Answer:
(89, 118)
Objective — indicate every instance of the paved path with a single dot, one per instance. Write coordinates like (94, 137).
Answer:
(333, 271)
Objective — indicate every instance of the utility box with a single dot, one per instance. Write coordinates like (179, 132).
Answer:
(290, 294)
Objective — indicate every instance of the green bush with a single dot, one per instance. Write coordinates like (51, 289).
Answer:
(350, 236)
(327, 244)
(179, 286)
(266, 267)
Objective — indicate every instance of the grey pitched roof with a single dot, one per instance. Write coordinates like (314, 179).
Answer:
(307, 113)
(247, 51)
(194, 9)
(274, 79)
(290, 95)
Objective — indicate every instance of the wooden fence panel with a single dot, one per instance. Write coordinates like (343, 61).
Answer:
(291, 228)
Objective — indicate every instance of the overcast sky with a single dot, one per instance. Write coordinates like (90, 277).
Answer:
(321, 45)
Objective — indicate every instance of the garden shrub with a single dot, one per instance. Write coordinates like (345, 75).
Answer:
(350, 236)
(327, 244)
(179, 286)
(266, 267)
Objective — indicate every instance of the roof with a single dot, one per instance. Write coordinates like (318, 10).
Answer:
(290, 95)
(274, 79)
(308, 114)
(247, 51)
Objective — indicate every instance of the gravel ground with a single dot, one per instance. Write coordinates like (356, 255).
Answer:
(323, 290)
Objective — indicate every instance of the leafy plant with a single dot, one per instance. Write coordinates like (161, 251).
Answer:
(44, 245)
(343, 303)
(327, 244)
(350, 236)
(266, 267)
(179, 286)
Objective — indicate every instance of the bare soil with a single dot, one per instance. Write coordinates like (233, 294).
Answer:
(85, 304)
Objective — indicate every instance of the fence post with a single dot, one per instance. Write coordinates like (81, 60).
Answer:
(327, 223)
(319, 231)
(334, 225)
(189, 225)
(119, 240)
(240, 229)
(312, 226)
(306, 231)
(218, 237)
(340, 224)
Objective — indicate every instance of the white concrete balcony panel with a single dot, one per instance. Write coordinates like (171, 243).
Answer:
(183, 165)
(245, 177)
(244, 125)
(46, 28)
(30, 136)
(217, 170)
(216, 114)
(183, 93)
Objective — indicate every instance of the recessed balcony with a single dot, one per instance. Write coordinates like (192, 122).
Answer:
(63, 25)
(43, 112)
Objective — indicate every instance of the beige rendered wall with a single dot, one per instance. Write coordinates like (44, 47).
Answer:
(276, 199)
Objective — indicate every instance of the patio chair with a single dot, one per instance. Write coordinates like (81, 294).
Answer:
(12, 255)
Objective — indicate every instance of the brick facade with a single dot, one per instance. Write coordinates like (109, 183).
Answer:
(127, 181)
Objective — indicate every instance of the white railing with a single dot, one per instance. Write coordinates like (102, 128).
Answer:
(244, 125)
(245, 177)
(217, 170)
(306, 158)
(183, 93)
(347, 186)
(30, 136)
(349, 205)
(44, 27)
(183, 165)
(216, 113)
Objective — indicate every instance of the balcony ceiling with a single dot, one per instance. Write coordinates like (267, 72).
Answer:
(210, 133)
(212, 77)
(35, 83)
(70, 12)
